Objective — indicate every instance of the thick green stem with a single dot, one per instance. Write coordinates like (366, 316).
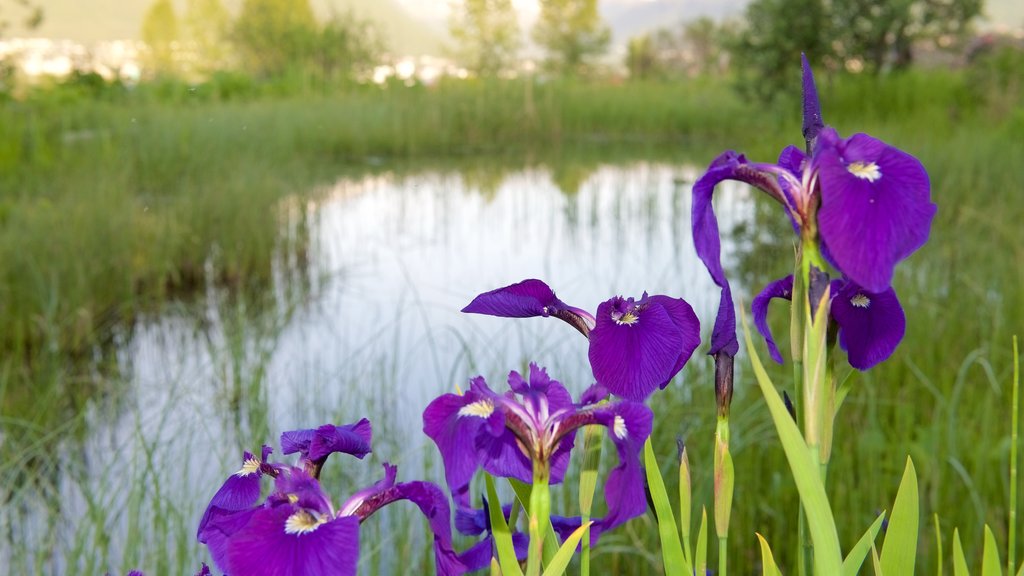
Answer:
(725, 480)
(722, 555)
(540, 516)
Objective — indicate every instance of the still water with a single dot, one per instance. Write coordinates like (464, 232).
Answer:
(363, 321)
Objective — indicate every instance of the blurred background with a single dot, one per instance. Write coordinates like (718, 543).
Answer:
(224, 219)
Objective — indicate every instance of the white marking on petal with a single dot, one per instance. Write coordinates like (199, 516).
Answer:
(250, 466)
(629, 318)
(619, 428)
(860, 301)
(865, 170)
(302, 522)
(480, 409)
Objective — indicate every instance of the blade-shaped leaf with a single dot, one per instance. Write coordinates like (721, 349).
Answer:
(875, 562)
(495, 568)
(502, 535)
(671, 548)
(938, 543)
(855, 558)
(959, 561)
(990, 563)
(822, 526)
(561, 559)
(701, 552)
(768, 566)
(899, 551)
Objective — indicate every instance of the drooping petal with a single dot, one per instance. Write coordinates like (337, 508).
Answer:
(454, 422)
(356, 500)
(240, 491)
(629, 425)
(593, 395)
(528, 299)
(317, 444)
(876, 206)
(782, 288)
(871, 324)
(637, 347)
(296, 486)
(268, 544)
(221, 525)
(813, 124)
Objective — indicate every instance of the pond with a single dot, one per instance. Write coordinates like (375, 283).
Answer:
(362, 321)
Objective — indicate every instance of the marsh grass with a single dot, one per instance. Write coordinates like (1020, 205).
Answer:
(109, 209)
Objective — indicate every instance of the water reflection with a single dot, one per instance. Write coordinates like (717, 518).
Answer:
(362, 319)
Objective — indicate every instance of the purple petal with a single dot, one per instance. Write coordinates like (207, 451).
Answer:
(317, 444)
(629, 425)
(264, 547)
(204, 571)
(433, 503)
(876, 206)
(782, 288)
(542, 395)
(296, 486)
(593, 395)
(356, 500)
(454, 422)
(241, 490)
(501, 456)
(634, 349)
(871, 324)
(813, 123)
(527, 299)
(222, 525)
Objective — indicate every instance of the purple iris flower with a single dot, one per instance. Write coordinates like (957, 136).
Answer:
(867, 203)
(636, 345)
(476, 522)
(535, 422)
(296, 530)
(871, 324)
(242, 489)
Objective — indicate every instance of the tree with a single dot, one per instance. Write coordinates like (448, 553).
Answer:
(160, 34)
(346, 46)
(572, 34)
(487, 33)
(880, 34)
(206, 27)
(641, 59)
(274, 36)
(766, 51)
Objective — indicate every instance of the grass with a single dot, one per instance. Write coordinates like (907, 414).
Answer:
(111, 208)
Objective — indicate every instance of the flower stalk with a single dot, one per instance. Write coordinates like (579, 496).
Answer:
(540, 515)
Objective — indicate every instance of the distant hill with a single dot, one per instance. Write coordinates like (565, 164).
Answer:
(93, 20)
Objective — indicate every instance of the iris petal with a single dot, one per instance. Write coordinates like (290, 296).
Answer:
(871, 324)
(782, 288)
(876, 206)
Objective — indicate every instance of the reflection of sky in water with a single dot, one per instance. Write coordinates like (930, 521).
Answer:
(383, 334)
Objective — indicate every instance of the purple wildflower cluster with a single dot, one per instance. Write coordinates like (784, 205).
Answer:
(864, 204)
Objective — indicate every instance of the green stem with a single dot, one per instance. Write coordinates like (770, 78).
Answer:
(1011, 552)
(540, 516)
(722, 556)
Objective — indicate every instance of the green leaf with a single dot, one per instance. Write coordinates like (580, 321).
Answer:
(671, 548)
(523, 492)
(990, 563)
(875, 562)
(822, 526)
(495, 569)
(685, 503)
(938, 543)
(502, 535)
(701, 552)
(591, 462)
(855, 558)
(768, 566)
(959, 562)
(564, 554)
(899, 551)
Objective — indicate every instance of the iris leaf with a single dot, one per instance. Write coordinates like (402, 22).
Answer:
(502, 534)
(899, 551)
(671, 548)
(564, 554)
(855, 559)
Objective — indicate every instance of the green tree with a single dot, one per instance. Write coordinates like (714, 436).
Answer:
(766, 50)
(160, 34)
(487, 34)
(206, 27)
(346, 47)
(642, 60)
(881, 34)
(572, 34)
(275, 36)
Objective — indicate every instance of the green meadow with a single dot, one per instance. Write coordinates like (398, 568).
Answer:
(119, 202)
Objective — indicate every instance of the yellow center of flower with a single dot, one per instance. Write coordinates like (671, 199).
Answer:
(619, 428)
(865, 170)
(250, 466)
(628, 318)
(480, 409)
(860, 301)
(302, 522)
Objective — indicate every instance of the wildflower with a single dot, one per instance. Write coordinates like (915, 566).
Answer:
(866, 204)
(531, 426)
(242, 489)
(636, 346)
(296, 530)
(315, 445)
(871, 325)
(477, 521)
